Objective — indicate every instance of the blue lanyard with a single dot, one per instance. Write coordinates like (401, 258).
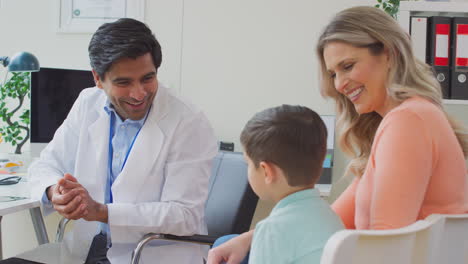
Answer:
(111, 151)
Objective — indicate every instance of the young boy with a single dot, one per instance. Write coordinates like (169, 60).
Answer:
(285, 147)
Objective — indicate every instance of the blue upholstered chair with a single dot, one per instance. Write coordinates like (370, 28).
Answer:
(230, 206)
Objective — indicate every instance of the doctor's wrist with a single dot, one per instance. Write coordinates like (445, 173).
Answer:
(101, 213)
(49, 192)
(96, 212)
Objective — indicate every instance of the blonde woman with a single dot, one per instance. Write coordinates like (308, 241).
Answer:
(408, 155)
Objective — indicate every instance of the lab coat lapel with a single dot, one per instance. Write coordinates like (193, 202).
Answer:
(144, 154)
(98, 132)
(139, 164)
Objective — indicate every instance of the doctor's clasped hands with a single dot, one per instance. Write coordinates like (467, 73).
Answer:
(71, 200)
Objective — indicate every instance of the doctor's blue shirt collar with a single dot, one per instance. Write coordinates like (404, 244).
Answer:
(109, 108)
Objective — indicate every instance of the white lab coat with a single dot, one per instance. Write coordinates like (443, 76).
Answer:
(162, 188)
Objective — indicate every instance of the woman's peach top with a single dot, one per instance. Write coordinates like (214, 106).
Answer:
(416, 168)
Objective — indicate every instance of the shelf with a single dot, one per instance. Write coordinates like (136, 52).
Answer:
(455, 102)
(428, 6)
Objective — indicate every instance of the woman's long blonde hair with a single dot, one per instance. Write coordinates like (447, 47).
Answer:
(370, 27)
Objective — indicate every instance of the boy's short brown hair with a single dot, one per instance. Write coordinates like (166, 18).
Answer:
(293, 138)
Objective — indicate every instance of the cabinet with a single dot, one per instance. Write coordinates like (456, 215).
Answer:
(423, 8)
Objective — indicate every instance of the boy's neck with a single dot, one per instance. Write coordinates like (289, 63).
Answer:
(284, 191)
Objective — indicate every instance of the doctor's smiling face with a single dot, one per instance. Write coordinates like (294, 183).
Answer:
(131, 85)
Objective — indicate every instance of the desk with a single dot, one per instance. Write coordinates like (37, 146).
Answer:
(22, 189)
(324, 189)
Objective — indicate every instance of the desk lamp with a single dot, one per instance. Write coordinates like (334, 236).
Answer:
(21, 62)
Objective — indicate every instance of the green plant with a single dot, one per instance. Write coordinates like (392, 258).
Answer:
(389, 6)
(16, 128)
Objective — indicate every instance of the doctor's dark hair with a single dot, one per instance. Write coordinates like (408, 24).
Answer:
(294, 138)
(124, 38)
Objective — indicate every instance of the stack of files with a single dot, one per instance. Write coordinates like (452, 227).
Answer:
(442, 42)
(459, 65)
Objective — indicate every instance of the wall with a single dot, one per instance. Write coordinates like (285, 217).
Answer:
(240, 57)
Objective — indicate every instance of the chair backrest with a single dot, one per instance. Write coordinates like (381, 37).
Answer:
(412, 244)
(231, 202)
(453, 242)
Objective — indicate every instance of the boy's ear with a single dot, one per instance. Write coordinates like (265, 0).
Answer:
(97, 79)
(270, 172)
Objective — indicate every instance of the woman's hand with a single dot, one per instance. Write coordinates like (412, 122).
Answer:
(233, 251)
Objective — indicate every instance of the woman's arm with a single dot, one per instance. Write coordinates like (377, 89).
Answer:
(233, 251)
(403, 167)
(344, 206)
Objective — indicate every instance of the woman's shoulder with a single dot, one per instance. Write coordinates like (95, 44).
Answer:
(420, 103)
(415, 116)
(416, 108)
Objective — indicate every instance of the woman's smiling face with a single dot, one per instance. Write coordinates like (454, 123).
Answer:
(359, 75)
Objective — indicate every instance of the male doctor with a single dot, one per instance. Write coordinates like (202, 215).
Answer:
(131, 157)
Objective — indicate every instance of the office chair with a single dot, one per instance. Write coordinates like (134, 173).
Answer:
(453, 245)
(230, 206)
(413, 244)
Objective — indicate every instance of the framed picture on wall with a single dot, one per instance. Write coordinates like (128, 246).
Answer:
(85, 16)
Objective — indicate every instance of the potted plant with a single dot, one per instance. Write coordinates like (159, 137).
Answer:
(15, 126)
(389, 6)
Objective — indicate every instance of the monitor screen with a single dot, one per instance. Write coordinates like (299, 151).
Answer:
(53, 92)
(326, 177)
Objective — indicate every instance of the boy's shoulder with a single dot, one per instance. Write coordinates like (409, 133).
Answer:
(302, 219)
(303, 208)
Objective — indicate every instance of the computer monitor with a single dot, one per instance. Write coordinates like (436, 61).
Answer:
(53, 92)
(326, 177)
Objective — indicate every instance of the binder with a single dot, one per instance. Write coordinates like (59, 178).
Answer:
(418, 32)
(439, 30)
(459, 60)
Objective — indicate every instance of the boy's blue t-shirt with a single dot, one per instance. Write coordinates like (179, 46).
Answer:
(295, 231)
